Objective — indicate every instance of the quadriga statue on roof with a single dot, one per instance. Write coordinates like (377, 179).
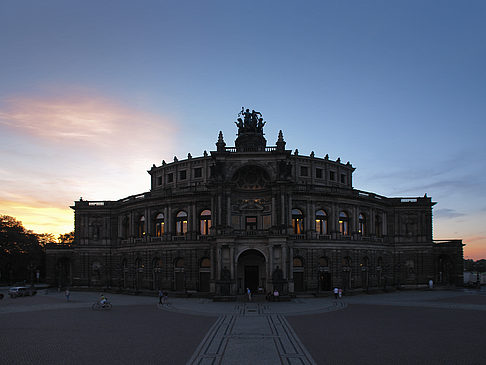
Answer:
(251, 122)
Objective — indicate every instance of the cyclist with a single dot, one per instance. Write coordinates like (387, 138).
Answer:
(103, 300)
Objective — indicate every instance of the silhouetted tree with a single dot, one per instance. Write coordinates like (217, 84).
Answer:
(21, 253)
(66, 238)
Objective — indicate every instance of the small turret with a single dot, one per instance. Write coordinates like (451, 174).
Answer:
(280, 142)
(221, 144)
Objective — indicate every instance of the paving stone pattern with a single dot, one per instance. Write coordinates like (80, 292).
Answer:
(251, 336)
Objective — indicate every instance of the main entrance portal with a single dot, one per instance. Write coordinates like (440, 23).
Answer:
(251, 271)
(251, 277)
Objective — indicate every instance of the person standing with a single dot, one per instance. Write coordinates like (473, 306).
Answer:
(248, 291)
(161, 295)
(67, 293)
(336, 292)
(340, 292)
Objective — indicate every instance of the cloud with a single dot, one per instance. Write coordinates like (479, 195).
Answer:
(447, 213)
(86, 123)
(55, 149)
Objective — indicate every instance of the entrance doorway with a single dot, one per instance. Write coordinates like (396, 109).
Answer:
(251, 277)
(325, 280)
(251, 271)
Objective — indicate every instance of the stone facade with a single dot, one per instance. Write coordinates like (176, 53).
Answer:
(258, 217)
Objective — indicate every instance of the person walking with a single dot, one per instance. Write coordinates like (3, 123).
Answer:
(67, 293)
(336, 292)
(248, 291)
(161, 295)
(340, 292)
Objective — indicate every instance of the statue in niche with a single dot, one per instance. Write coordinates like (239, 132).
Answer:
(277, 274)
(225, 274)
(277, 278)
(225, 278)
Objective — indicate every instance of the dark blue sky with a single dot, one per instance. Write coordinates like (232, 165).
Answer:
(398, 88)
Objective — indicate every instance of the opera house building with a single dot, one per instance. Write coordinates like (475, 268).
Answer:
(254, 216)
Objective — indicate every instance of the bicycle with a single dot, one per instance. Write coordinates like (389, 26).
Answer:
(99, 306)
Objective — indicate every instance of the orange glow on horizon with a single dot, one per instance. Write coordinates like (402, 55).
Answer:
(40, 219)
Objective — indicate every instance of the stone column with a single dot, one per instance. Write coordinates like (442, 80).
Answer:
(307, 218)
(274, 222)
(385, 225)
(289, 211)
(282, 207)
(132, 224)
(228, 211)
(148, 222)
(333, 220)
(194, 219)
(371, 223)
(284, 261)
(168, 219)
(232, 262)
(120, 226)
(219, 210)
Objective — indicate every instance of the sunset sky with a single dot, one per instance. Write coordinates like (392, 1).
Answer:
(92, 93)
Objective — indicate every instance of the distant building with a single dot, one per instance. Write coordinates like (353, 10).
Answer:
(258, 217)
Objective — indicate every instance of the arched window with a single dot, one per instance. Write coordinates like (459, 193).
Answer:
(205, 222)
(297, 221)
(141, 227)
(343, 223)
(379, 263)
(323, 262)
(362, 225)
(378, 226)
(321, 222)
(364, 262)
(298, 262)
(205, 263)
(181, 223)
(179, 263)
(159, 225)
(347, 261)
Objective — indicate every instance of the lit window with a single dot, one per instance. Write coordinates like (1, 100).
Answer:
(362, 224)
(251, 223)
(343, 223)
(205, 222)
(321, 222)
(181, 223)
(159, 225)
(141, 226)
(297, 221)
(205, 263)
(298, 262)
(179, 263)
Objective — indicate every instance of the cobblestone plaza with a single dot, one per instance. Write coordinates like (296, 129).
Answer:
(412, 327)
